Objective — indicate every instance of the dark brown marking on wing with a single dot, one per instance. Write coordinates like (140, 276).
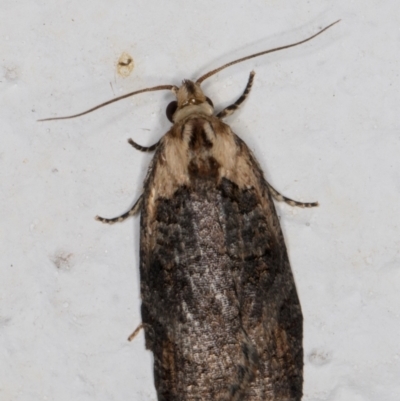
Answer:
(198, 139)
(219, 293)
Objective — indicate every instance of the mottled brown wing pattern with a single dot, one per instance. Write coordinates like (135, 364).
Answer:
(220, 308)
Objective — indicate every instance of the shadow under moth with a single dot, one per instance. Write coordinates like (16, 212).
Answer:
(220, 311)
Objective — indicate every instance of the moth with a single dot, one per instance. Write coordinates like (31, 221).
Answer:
(220, 311)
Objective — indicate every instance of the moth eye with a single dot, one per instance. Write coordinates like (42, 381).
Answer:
(171, 109)
(209, 101)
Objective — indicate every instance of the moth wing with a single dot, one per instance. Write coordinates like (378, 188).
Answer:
(220, 308)
(270, 311)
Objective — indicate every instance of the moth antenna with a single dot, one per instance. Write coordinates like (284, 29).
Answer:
(155, 88)
(209, 74)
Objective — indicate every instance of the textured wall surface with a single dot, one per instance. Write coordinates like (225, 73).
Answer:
(323, 119)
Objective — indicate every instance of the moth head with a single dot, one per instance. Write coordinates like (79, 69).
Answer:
(189, 99)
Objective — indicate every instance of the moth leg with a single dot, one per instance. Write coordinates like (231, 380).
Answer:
(280, 198)
(143, 148)
(233, 107)
(135, 332)
(134, 209)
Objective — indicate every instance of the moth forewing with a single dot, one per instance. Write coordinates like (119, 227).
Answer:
(220, 311)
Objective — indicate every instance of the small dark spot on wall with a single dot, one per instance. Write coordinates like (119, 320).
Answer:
(62, 260)
(319, 357)
(11, 73)
(125, 65)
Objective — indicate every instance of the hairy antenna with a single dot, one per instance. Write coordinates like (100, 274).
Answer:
(155, 88)
(209, 74)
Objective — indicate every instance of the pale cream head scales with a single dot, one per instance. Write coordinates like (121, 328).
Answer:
(190, 99)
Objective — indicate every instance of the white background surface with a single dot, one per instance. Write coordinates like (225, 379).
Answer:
(323, 120)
